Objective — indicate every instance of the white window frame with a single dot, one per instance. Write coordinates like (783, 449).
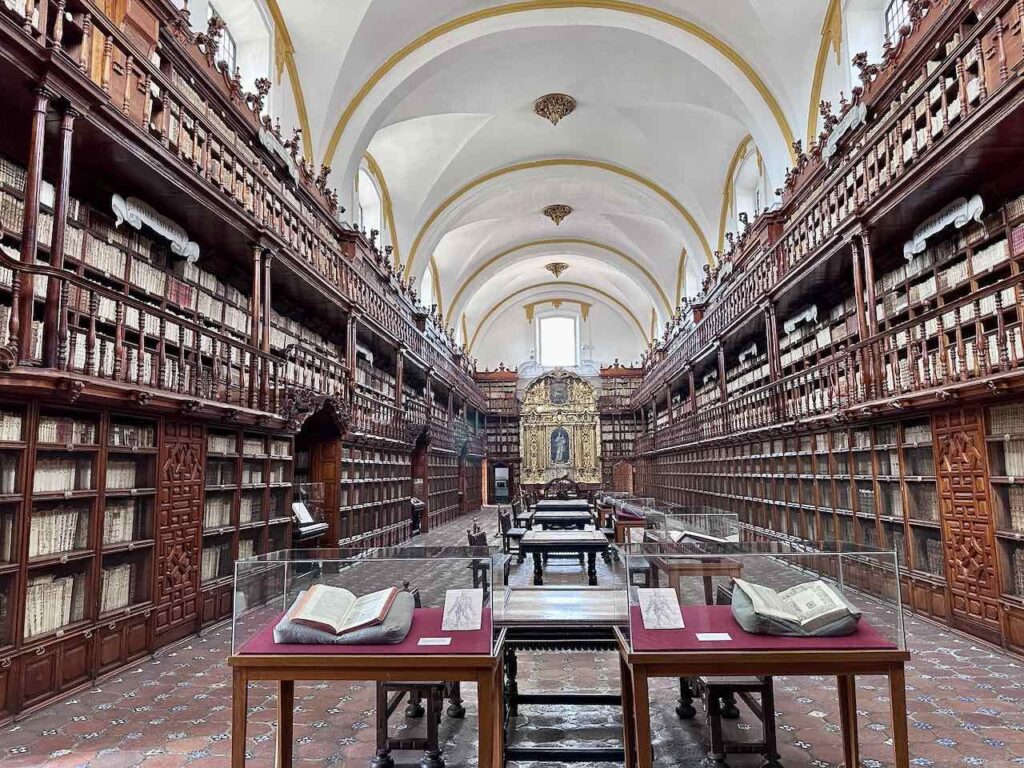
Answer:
(227, 52)
(897, 14)
(574, 318)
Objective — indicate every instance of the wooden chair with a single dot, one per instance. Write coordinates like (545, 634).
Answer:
(390, 695)
(510, 535)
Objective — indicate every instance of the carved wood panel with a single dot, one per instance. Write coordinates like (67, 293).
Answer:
(622, 476)
(179, 527)
(965, 509)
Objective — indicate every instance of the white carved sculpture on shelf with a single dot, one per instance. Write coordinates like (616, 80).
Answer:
(136, 213)
(958, 213)
(853, 118)
(750, 351)
(808, 314)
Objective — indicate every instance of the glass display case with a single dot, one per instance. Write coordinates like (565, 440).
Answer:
(444, 604)
(673, 524)
(698, 594)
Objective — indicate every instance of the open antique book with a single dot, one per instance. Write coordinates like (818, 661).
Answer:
(811, 606)
(338, 611)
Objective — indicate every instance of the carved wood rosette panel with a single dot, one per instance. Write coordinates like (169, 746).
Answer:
(965, 508)
(179, 528)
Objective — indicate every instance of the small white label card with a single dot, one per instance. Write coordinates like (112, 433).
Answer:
(659, 609)
(435, 641)
(714, 637)
(463, 610)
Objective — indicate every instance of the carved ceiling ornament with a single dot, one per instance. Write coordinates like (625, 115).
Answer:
(554, 106)
(556, 268)
(557, 212)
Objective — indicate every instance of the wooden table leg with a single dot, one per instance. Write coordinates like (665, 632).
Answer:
(285, 715)
(592, 568)
(538, 570)
(499, 712)
(628, 723)
(642, 720)
(898, 703)
(486, 726)
(848, 718)
(239, 715)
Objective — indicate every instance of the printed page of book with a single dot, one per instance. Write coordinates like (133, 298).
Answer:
(813, 601)
(369, 609)
(324, 606)
(659, 609)
(766, 601)
(463, 610)
(302, 513)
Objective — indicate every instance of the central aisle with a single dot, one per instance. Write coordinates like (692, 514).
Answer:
(966, 705)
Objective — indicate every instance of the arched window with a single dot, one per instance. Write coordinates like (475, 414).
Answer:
(557, 341)
(897, 14)
(227, 53)
(247, 42)
(426, 292)
(370, 211)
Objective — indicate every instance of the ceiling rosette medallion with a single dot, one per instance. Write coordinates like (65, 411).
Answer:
(554, 106)
(556, 268)
(557, 212)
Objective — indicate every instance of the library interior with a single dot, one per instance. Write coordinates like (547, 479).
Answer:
(525, 383)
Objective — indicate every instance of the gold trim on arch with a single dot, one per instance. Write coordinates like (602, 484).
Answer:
(565, 161)
(526, 6)
(681, 276)
(831, 36)
(727, 194)
(437, 286)
(563, 284)
(284, 52)
(557, 241)
(386, 205)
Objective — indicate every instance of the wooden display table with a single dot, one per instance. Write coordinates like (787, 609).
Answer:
(678, 653)
(542, 543)
(561, 519)
(470, 657)
(562, 505)
(678, 567)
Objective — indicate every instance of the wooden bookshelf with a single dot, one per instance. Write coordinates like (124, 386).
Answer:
(442, 487)
(375, 488)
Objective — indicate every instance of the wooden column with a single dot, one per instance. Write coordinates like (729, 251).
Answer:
(55, 330)
(268, 261)
(668, 403)
(399, 376)
(771, 328)
(30, 224)
(256, 302)
(721, 373)
(654, 415)
(350, 341)
(858, 289)
(428, 394)
(693, 390)
(869, 287)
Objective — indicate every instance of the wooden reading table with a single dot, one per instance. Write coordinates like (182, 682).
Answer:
(561, 520)
(542, 543)
(470, 657)
(562, 505)
(679, 653)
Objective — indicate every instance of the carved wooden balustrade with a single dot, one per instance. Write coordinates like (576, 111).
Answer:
(442, 434)
(929, 113)
(103, 334)
(973, 339)
(373, 418)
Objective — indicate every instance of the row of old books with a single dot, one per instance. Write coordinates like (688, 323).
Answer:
(250, 507)
(220, 473)
(1007, 419)
(214, 559)
(252, 473)
(52, 602)
(122, 475)
(132, 436)
(62, 474)
(280, 448)
(66, 430)
(7, 537)
(221, 443)
(217, 513)
(253, 446)
(63, 528)
(1018, 571)
(119, 521)
(11, 424)
(36, 340)
(8, 473)
(118, 583)
(246, 548)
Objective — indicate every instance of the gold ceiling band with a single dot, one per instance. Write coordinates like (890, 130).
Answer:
(681, 276)
(737, 157)
(557, 241)
(525, 6)
(561, 284)
(556, 303)
(285, 51)
(831, 37)
(437, 286)
(385, 201)
(598, 164)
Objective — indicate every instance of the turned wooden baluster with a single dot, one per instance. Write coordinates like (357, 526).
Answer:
(126, 101)
(118, 340)
(982, 88)
(62, 327)
(180, 383)
(30, 9)
(961, 350)
(161, 355)
(140, 362)
(215, 371)
(90, 336)
(108, 53)
(1004, 72)
(84, 54)
(58, 26)
(1003, 357)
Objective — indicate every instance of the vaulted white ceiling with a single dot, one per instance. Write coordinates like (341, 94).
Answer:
(440, 94)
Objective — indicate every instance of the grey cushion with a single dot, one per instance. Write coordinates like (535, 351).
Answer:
(392, 630)
(759, 624)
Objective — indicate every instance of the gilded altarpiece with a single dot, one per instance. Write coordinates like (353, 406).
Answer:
(559, 430)
(966, 513)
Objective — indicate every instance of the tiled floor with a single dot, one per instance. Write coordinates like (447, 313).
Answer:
(966, 708)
